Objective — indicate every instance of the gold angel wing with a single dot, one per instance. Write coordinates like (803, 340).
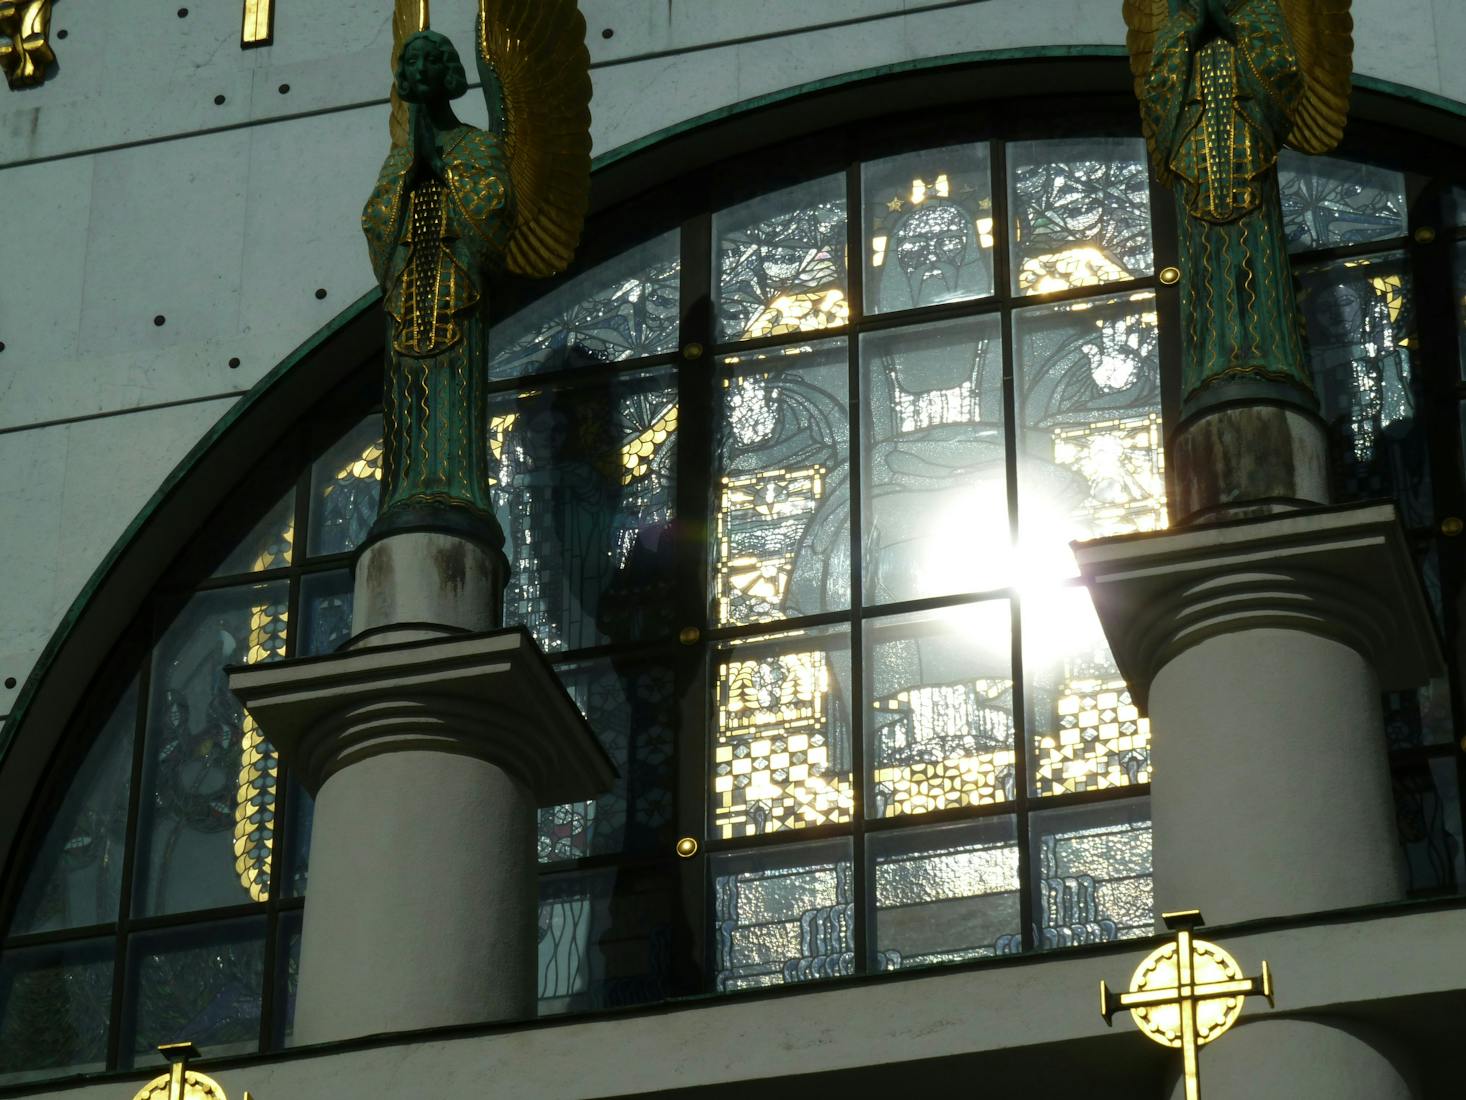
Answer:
(1143, 19)
(408, 17)
(1323, 36)
(536, 70)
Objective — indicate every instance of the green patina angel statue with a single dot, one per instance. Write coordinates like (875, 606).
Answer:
(454, 207)
(1223, 85)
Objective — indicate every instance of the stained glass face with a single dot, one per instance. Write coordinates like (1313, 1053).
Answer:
(55, 1009)
(346, 485)
(945, 894)
(780, 755)
(203, 982)
(269, 544)
(1428, 813)
(1358, 316)
(1087, 734)
(940, 723)
(325, 610)
(781, 262)
(783, 915)
(76, 877)
(937, 517)
(781, 537)
(1093, 868)
(1329, 202)
(584, 484)
(207, 826)
(626, 308)
(632, 708)
(928, 228)
(1081, 213)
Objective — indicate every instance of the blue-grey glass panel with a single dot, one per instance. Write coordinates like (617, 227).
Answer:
(937, 521)
(584, 484)
(1080, 210)
(1460, 288)
(1091, 449)
(940, 724)
(325, 612)
(1093, 874)
(287, 976)
(623, 309)
(1085, 732)
(55, 1009)
(1358, 319)
(76, 877)
(201, 983)
(632, 708)
(781, 530)
(1456, 205)
(1328, 202)
(928, 227)
(945, 894)
(301, 817)
(208, 774)
(781, 262)
(783, 915)
(346, 485)
(269, 544)
(1428, 813)
(1419, 716)
(605, 939)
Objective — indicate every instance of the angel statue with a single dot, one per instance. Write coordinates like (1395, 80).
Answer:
(454, 207)
(1223, 85)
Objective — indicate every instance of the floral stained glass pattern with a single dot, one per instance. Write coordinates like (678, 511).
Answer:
(269, 545)
(1329, 202)
(1094, 874)
(55, 1009)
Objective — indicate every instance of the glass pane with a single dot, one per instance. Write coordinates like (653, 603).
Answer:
(781, 262)
(941, 718)
(782, 915)
(1094, 874)
(1092, 453)
(201, 983)
(297, 853)
(1081, 213)
(55, 1010)
(946, 894)
(1329, 202)
(268, 545)
(632, 708)
(1456, 205)
(623, 309)
(208, 774)
(781, 744)
(1421, 716)
(346, 484)
(1428, 812)
(605, 939)
(935, 450)
(325, 611)
(76, 879)
(781, 542)
(928, 227)
(1358, 316)
(584, 483)
(287, 976)
(1086, 732)
(1460, 262)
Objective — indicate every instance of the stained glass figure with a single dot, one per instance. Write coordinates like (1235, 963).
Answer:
(346, 483)
(1086, 733)
(781, 741)
(584, 484)
(1080, 209)
(55, 1009)
(1428, 814)
(783, 915)
(937, 518)
(1358, 319)
(76, 877)
(268, 545)
(631, 706)
(1093, 874)
(781, 262)
(928, 228)
(781, 538)
(1091, 451)
(940, 725)
(325, 612)
(203, 981)
(945, 894)
(626, 308)
(1328, 202)
(206, 828)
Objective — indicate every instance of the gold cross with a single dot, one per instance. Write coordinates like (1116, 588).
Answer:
(1186, 994)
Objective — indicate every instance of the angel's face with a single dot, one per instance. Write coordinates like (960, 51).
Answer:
(423, 72)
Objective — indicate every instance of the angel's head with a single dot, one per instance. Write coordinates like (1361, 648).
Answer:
(429, 68)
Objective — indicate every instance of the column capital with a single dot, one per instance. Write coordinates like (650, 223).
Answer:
(1344, 573)
(489, 696)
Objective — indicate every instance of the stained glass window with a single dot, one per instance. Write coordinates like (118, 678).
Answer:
(55, 1009)
(325, 612)
(1093, 874)
(1428, 812)
(345, 487)
(269, 544)
(1460, 273)
(1329, 202)
(287, 978)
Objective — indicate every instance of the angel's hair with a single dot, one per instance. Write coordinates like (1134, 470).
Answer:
(456, 82)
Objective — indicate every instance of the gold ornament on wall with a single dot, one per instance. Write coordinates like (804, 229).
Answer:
(180, 1082)
(25, 44)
